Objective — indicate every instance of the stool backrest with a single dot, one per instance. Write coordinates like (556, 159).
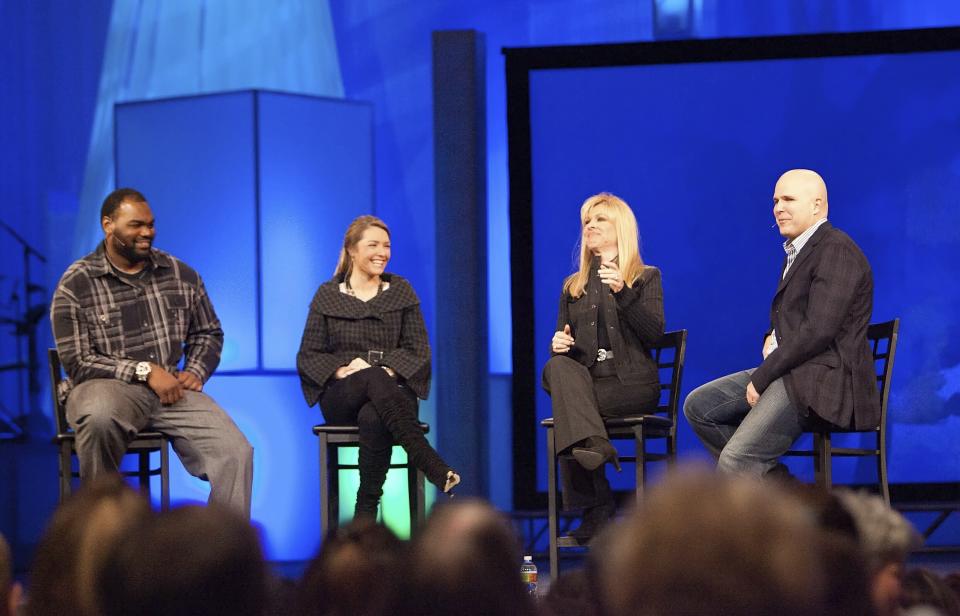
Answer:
(668, 352)
(56, 378)
(882, 338)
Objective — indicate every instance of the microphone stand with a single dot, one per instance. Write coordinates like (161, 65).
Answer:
(26, 327)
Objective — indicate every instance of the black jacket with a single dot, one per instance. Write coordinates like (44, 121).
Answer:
(821, 311)
(341, 328)
(634, 318)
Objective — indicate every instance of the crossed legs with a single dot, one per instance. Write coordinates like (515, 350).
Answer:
(744, 440)
(384, 413)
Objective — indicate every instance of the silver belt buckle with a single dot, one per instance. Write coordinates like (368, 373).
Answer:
(601, 354)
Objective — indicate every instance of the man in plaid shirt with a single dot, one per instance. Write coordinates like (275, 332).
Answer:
(123, 318)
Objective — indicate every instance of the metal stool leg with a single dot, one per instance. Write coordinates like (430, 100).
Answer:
(143, 472)
(552, 521)
(324, 484)
(165, 475)
(882, 469)
(641, 451)
(66, 470)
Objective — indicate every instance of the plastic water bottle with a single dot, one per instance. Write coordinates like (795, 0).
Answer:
(528, 573)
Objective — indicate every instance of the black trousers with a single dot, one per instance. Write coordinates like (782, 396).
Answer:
(385, 412)
(581, 398)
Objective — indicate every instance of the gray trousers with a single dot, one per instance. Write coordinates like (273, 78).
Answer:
(107, 413)
(581, 399)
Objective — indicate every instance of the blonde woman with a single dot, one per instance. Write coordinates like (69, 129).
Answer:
(365, 357)
(611, 310)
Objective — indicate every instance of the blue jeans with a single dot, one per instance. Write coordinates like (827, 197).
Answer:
(744, 440)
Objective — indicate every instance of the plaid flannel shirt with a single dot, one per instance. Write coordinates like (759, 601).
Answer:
(105, 323)
(341, 328)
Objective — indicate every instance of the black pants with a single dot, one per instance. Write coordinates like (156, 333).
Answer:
(581, 398)
(384, 412)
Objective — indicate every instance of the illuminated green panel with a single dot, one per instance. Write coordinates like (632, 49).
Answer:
(394, 506)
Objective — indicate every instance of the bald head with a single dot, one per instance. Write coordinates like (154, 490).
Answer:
(799, 201)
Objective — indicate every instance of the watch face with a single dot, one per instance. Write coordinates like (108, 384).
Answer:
(143, 371)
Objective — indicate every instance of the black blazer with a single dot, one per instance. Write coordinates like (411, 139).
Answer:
(821, 311)
(635, 318)
(341, 327)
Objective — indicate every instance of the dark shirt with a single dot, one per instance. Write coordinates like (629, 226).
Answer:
(104, 323)
(633, 320)
(341, 328)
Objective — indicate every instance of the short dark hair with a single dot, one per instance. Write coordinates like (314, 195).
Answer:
(464, 562)
(191, 560)
(76, 543)
(361, 550)
(114, 199)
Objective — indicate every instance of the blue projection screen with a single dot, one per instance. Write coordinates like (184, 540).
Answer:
(695, 145)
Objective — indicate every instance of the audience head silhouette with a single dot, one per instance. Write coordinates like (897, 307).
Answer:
(705, 544)
(77, 542)
(192, 560)
(362, 550)
(465, 562)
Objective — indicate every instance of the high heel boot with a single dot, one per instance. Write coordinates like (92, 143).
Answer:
(596, 452)
(404, 427)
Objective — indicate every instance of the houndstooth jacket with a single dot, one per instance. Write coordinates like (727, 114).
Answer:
(341, 328)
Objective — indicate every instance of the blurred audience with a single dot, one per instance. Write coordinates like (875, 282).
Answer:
(922, 587)
(75, 545)
(846, 575)
(575, 592)
(464, 562)
(705, 544)
(953, 581)
(9, 589)
(700, 544)
(354, 574)
(191, 560)
(886, 539)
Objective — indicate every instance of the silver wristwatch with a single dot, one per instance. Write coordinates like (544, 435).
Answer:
(143, 371)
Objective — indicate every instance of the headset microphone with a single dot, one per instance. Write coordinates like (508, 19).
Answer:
(120, 241)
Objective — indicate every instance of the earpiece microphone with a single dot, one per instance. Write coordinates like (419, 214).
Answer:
(120, 241)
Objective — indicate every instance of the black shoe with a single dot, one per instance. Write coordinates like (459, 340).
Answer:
(593, 521)
(597, 452)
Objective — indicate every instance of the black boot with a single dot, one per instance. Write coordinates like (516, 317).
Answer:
(373, 461)
(373, 474)
(405, 428)
(367, 506)
(593, 521)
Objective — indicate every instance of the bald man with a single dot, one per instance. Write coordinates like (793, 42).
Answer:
(817, 366)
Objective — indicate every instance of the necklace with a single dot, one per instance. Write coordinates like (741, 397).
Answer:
(349, 290)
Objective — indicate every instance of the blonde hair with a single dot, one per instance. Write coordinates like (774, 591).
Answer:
(351, 238)
(628, 242)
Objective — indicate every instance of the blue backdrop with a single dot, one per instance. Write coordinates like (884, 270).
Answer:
(65, 64)
(696, 149)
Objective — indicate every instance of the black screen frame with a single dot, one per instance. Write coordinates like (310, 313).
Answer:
(520, 62)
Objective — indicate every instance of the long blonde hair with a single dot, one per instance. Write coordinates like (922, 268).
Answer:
(628, 242)
(353, 235)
